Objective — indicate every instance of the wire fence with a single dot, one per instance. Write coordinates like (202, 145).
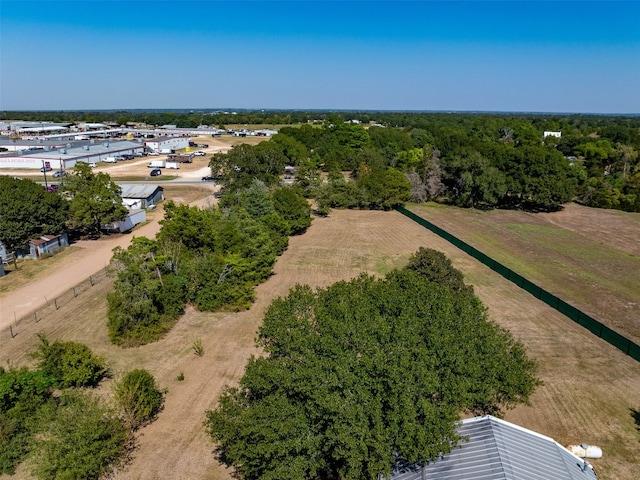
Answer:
(594, 326)
(51, 305)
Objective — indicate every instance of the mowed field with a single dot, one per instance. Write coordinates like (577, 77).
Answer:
(591, 389)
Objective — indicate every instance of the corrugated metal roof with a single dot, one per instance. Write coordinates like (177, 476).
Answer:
(138, 190)
(499, 450)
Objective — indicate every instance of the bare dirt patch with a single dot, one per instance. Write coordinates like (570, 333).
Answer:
(589, 388)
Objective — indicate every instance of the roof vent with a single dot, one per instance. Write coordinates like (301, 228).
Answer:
(106, 144)
(68, 145)
(47, 148)
(63, 150)
(86, 147)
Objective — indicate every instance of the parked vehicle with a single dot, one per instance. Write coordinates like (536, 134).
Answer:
(208, 178)
(202, 145)
(154, 153)
(45, 169)
(174, 165)
(156, 164)
(110, 160)
(59, 173)
(156, 172)
(93, 164)
(199, 153)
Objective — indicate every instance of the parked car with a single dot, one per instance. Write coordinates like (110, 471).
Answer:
(156, 172)
(203, 145)
(154, 153)
(199, 153)
(45, 169)
(93, 164)
(59, 173)
(53, 188)
(208, 178)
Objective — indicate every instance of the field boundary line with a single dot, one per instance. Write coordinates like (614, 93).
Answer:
(51, 305)
(594, 326)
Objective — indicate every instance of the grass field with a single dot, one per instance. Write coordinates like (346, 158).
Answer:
(590, 393)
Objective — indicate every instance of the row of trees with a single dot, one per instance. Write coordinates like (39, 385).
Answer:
(368, 372)
(72, 434)
(485, 161)
(84, 201)
(211, 258)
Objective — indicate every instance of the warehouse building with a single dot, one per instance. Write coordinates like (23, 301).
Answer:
(65, 157)
(166, 144)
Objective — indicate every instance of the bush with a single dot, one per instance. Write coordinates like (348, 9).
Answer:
(22, 394)
(81, 439)
(71, 364)
(138, 397)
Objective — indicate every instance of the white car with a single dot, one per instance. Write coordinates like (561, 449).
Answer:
(199, 153)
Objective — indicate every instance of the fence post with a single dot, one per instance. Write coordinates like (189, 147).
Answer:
(55, 301)
(11, 331)
(45, 299)
(74, 292)
(91, 280)
(35, 314)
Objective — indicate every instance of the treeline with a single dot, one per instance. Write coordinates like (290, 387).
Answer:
(490, 162)
(50, 419)
(211, 258)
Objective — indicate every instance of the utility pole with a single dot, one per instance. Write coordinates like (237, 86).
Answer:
(44, 172)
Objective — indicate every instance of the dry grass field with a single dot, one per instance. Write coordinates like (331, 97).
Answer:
(590, 388)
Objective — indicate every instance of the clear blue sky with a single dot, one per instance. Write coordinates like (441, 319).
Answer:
(544, 56)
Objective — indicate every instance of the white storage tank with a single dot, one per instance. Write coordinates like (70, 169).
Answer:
(585, 451)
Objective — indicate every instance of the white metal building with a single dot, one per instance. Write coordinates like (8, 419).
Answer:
(65, 157)
(166, 143)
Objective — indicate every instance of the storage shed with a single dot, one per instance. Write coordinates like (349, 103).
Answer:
(47, 245)
(136, 196)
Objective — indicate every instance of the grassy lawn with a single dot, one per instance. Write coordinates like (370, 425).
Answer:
(597, 277)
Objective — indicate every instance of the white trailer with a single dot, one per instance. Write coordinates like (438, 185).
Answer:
(156, 164)
(174, 165)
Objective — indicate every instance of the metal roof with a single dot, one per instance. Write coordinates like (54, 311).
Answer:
(138, 190)
(499, 450)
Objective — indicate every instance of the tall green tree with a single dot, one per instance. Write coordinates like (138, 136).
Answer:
(361, 373)
(28, 211)
(94, 199)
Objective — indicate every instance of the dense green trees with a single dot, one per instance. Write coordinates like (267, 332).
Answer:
(94, 199)
(211, 258)
(364, 372)
(28, 211)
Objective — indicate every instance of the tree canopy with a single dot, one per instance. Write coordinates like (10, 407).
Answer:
(28, 211)
(363, 373)
(94, 199)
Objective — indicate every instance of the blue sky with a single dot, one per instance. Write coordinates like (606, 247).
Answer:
(543, 56)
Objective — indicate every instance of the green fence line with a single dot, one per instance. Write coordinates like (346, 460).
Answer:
(594, 326)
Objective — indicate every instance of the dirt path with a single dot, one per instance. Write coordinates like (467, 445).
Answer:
(90, 257)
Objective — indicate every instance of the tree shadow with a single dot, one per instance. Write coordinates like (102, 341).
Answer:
(635, 414)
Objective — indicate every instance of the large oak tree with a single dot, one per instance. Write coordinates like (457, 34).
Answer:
(366, 372)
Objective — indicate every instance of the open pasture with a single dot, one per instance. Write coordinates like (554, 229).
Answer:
(590, 393)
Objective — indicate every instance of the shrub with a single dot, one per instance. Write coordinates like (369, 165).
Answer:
(71, 364)
(198, 349)
(81, 439)
(138, 397)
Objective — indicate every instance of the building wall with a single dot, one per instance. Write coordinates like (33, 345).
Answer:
(174, 143)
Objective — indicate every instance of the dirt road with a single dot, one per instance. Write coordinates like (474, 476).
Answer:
(90, 257)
